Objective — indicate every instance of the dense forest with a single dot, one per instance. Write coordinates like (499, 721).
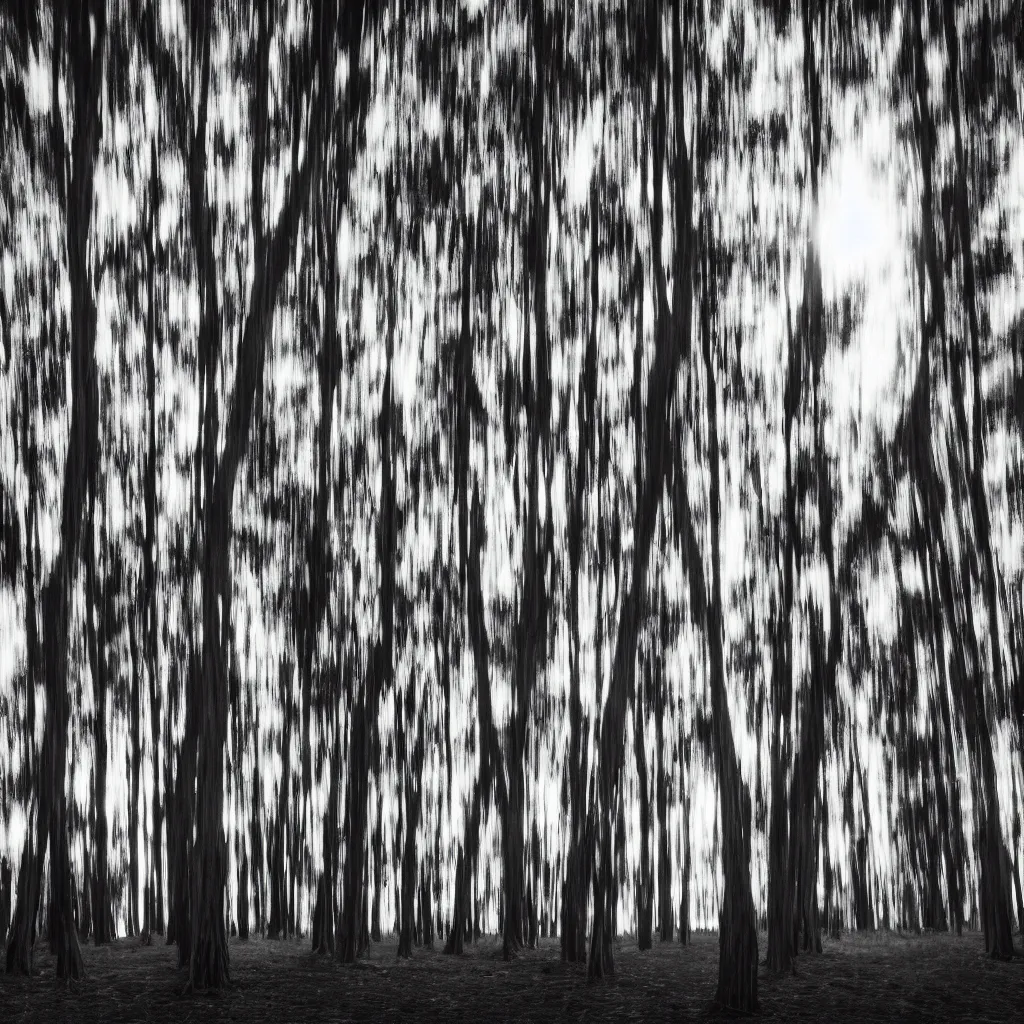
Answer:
(534, 468)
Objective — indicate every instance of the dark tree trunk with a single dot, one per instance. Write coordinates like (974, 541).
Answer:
(413, 797)
(134, 774)
(352, 923)
(84, 49)
(325, 912)
(319, 562)
(672, 337)
(257, 869)
(666, 924)
(5, 898)
(379, 868)
(465, 869)
(576, 884)
(97, 619)
(277, 926)
(684, 860)
(208, 960)
(995, 885)
(364, 754)
(737, 964)
(155, 901)
(645, 874)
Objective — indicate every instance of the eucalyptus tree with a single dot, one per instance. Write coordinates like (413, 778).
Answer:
(100, 620)
(672, 333)
(151, 641)
(347, 140)
(385, 279)
(472, 219)
(578, 860)
(534, 380)
(305, 95)
(962, 459)
(77, 51)
(969, 167)
(20, 32)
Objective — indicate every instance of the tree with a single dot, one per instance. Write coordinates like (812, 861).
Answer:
(272, 245)
(79, 39)
(672, 344)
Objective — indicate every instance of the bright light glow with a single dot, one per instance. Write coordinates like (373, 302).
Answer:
(857, 234)
(861, 246)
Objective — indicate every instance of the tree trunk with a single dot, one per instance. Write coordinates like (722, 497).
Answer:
(995, 885)
(666, 924)
(413, 797)
(209, 953)
(84, 47)
(737, 963)
(155, 902)
(352, 923)
(672, 337)
(325, 913)
(5, 898)
(134, 755)
(576, 883)
(645, 880)
(98, 604)
(277, 926)
(684, 860)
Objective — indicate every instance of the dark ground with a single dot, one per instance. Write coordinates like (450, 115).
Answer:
(871, 977)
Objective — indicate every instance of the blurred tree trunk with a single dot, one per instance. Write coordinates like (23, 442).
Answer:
(685, 868)
(325, 911)
(134, 755)
(256, 839)
(85, 28)
(672, 332)
(277, 925)
(575, 885)
(645, 874)
(208, 959)
(413, 771)
(155, 897)
(364, 751)
(353, 928)
(737, 964)
(995, 885)
(97, 618)
(666, 924)
(5, 898)
(379, 869)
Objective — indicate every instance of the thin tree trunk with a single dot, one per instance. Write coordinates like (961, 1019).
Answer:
(97, 619)
(413, 797)
(645, 879)
(666, 924)
(155, 902)
(134, 756)
(277, 926)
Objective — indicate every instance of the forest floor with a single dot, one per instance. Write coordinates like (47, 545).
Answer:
(866, 977)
